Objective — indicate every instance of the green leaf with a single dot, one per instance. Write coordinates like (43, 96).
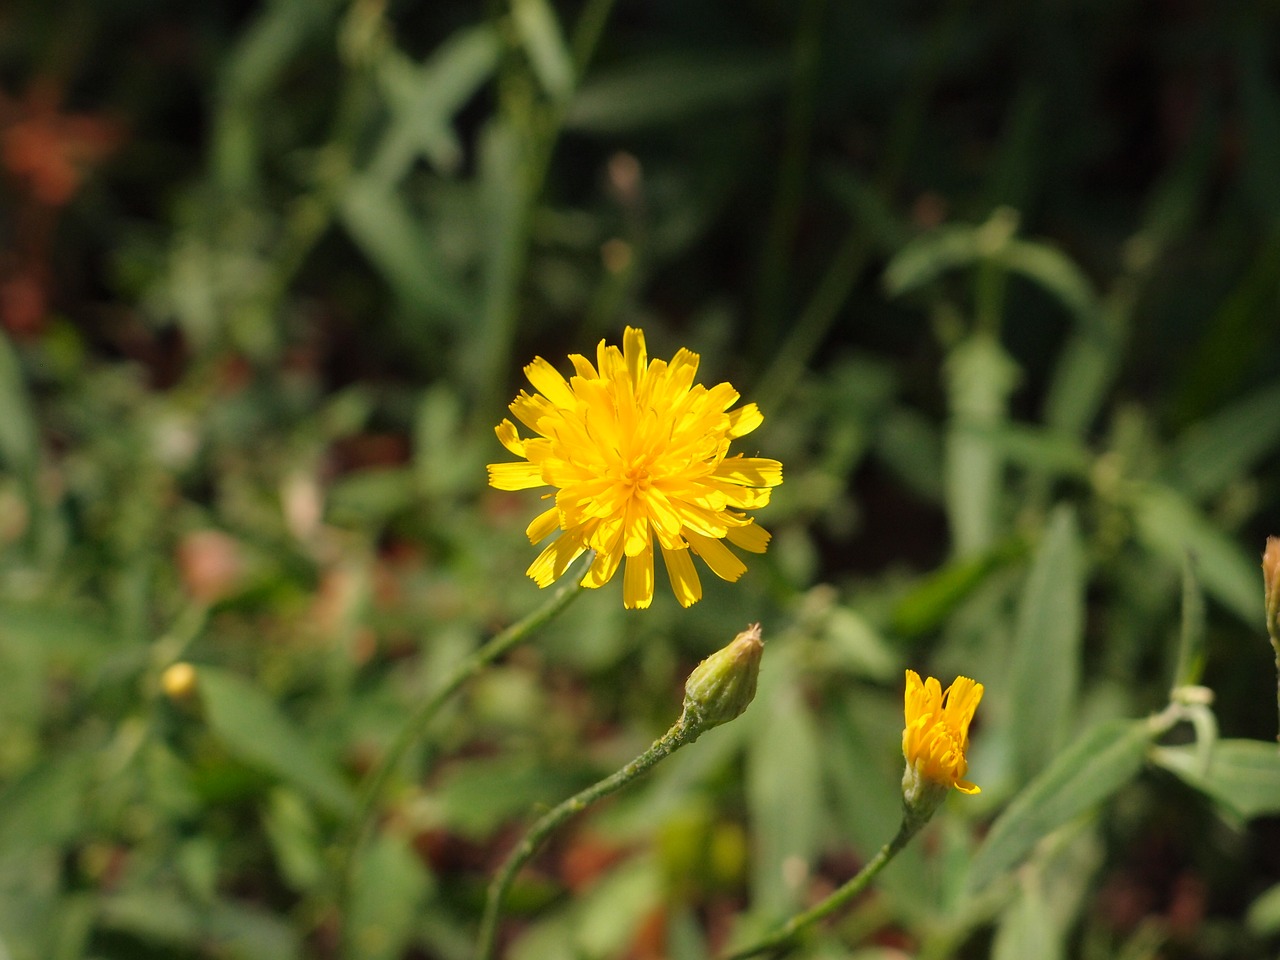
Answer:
(388, 891)
(1169, 526)
(1243, 776)
(253, 729)
(934, 596)
(424, 99)
(376, 218)
(1045, 670)
(224, 928)
(980, 379)
(292, 832)
(19, 446)
(543, 41)
(473, 799)
(1219, 449)
(784, 792)
(1098, 764)
(1053, 271)
(1026, 928)
(930, 255)
(47, 805)
(667, 88)
(1263, 918)
(1191, 641)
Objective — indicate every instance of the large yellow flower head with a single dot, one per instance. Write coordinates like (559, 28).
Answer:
(636, 449)
(935, 740)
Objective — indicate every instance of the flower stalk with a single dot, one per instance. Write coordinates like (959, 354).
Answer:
(935, 743)
(778, 942)
(718, 690)
(411, 732)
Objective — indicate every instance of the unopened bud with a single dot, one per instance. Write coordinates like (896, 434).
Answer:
(178, 681)
(722, 685)
(1271, 585)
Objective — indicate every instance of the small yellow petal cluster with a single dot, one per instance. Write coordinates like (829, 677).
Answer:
(636, 450)
(936, 737)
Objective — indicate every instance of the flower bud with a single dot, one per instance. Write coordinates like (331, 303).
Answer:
(722, 685)
(1271, 585)
(178, 681)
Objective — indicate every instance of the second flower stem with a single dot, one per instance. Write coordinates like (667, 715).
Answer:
(417, 723)
(778, 942)
(683, 731)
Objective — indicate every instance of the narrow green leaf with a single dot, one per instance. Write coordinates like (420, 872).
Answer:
(980, 379)
(784, 795)
(1263, 918)
(1056, 273)
(1169, 526)
(668, 88)
(543, 41)
(388, 891)
(18, 443)
(1098, 764)
(393, 241)
(1045, 670)
(1026, 928)
(425, 98)
(929, 256)
(1223, 447)
(1085, 369)
(253, 729)
(1243, 775)
(934, 596)
(1190, 666)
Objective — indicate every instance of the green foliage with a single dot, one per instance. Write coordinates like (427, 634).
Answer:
(1003, 282)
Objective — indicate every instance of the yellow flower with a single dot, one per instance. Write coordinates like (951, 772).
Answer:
(636, 449)
(936, 737)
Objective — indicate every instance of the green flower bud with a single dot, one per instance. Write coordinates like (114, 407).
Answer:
(722, 685)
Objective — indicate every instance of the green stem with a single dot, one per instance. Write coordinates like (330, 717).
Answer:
(417, 723)
(806, 53)
(811, 327)
(537, 125)
(683, 732)
(1275, 645)
(779, 941)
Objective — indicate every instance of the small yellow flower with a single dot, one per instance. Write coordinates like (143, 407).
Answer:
(936, 737)
(636, 449)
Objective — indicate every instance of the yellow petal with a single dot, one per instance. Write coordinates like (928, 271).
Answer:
(753, 538)
(637, 581)
(543, 525)
(745, 419)
(722, 561)
(752, 471)
(515, 476)
(555, 559)
(604, 566)
(547, 381)
(583, 367)
(637, 357)
(684, 577)
(509, 437)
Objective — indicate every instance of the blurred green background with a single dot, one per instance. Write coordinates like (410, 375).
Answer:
(1003, 278)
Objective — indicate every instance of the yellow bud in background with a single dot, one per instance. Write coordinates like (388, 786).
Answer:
(722, 685)
(178, 681)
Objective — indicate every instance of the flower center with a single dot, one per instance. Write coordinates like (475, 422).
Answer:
(636, 475)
